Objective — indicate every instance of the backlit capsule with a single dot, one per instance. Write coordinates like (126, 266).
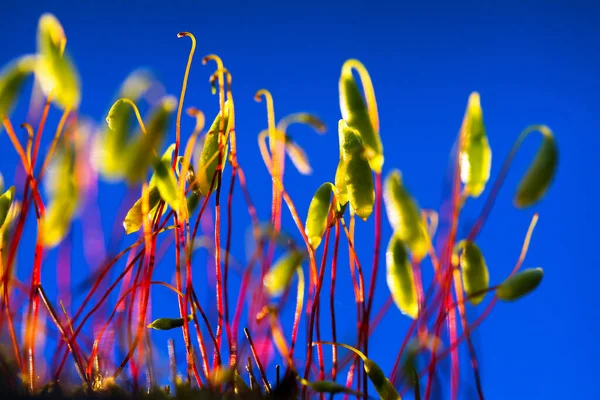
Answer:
(318, 211)
(360, 115)
(12, 80)
(475, 155)
(404, 215)
(209, 161)
(475, 274)
(354, 173)
(280, 274)
(400, 278)
(54, 69)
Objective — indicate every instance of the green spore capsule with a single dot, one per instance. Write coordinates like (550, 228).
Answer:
(520, 284)
(280, 274)
(356, 112)
(404, 215)
(539, 176)
(354, 176)
(475, 274)
(475, 155)
(400, 278)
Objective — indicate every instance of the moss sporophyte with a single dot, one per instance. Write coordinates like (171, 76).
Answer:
(177, 187)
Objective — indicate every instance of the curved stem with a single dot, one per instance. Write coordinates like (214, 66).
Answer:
(367, 88)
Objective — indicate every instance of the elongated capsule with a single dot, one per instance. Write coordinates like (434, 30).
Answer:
(55, 70)
(356, 113)
(356, 174)
(540, 174)
(140, 150)
(404, 215)
(6, 200)
(383, 386)
(475, 155)
(166, 183)
(318, 211)
(400, 278)
(135, 218)
(164, 324)
(475, 274)
(280, 274)
(298, 156)
(209, 162)
(329, 387)
(64, 195)
(109, 147)
(520, 284)
(12, 80)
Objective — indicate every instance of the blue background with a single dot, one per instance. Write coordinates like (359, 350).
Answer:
(531, 61)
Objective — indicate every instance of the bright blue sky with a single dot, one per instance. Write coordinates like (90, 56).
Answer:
(531, 61)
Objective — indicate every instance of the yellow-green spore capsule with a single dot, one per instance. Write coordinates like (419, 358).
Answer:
(404, 215)
(63, 191)
(55, 70)
(400, 278)
(383, 386)
(12, 80)
(141, 150)
(356, 113)
(166, 183)
(318, 211)
(475, 155)
(165, 324)
(341, 191)
(520, 284)
(358, 178)
(475, 274)
(110, 146)
(280, 274)
(209, 156)
(135, 218)
(540, 174)
(329, 387)
(6, 200)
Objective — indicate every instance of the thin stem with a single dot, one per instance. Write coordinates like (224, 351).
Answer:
(257, 360)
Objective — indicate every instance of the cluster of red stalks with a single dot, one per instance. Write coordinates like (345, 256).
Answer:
(442, 310)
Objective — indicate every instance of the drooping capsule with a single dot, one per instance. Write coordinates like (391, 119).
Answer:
(520, 284)
(63, 191)
(400, 278)
(280, 274)
(6, 200)
(404, 215)
(54, 68)
(298, 156)
(356, 112)
(109, 146)
(475, 154)
(135, 217)
(540, 174)
(141, 150)
(209, 162)
(165, 324)
(166, 183)
(475, 274)
(318, 211)
(383, 386)
(355, 172)
(330, 387)
(12, 80)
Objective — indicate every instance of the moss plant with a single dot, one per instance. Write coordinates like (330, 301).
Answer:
(177, 183)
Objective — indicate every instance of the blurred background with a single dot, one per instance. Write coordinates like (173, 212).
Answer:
(533, 62)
